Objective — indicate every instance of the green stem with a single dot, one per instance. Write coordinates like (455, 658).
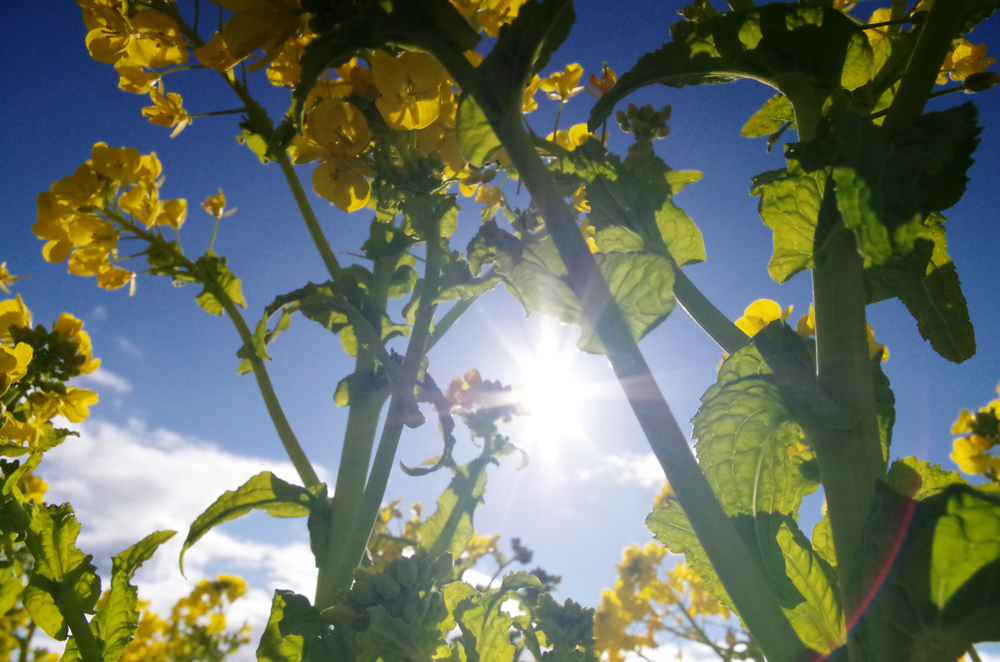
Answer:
(851, 462)
(943, 25)
(974, 655)
(308, 215)
(24, 643)
(448, 320)
(740, 574)
(385, 455)
(719, 327)
(86, 642)
(335, 571)
(291, 444)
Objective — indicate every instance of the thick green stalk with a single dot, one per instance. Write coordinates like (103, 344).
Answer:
(942, 26)
(385, 455)
(850, 462)
(308, 215)
(335, 571)
(291, 444)
(718, 327)
(741, 576)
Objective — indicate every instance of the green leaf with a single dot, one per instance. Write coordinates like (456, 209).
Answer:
(885, 406)
(10, 589)
(670, 526)
(485, 627)
(932, 479)
(887, 183)
(265, 491)
(393, 639)
(681, 236)
(62, 574)
(454, 593)
(942, 592)
(818, 619)
(566, 627)
(212, 269)
(679, 179)
(775, 113)
(927, 283)
(118, 619)
(642, 283)
(524, 46)
(617, 239)
(744, 433)
(476, 139)
(450, 528)
(273, 646)
(822, 541)
(799, 50)
(469, 288)
(789, 205)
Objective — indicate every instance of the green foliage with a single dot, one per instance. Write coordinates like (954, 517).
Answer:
(773, 115)
(218, 280)
(266, 492)
(789, 205)
(805, 52)
(118, 619)
(63, 577)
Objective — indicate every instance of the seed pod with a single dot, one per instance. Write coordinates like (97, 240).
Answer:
(339, 615)
(407, 572)
(386, 586)
(363, 591)
(442, 566)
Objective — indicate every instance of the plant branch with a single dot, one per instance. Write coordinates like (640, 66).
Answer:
(719, 327)
(288, 439)
(308, 215)
(739, 573)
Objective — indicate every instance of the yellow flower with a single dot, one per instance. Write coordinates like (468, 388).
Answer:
(529, 104)
(118, 164)
(80, 189)
(968, 59)
(338, 127)
(665, 496)
(759, 314)
(806, 328)
(32, 488)
(492, 198)
(134, 78)
(467, 8)
(498, 13)
(571, 138)
(410, 86)
(602, 84)
(173, 213)
(875, 35)
(264, 24)
(156, 41)
(14, 363)
(285, 70)
(6, 278)
(108, 33)
(341, 180)
(215, 54)
(167, 110)
(874, 347)
(969, 453)
(964, 423)
(563, 84)
(143, 203)
(13, 312)
(74, 404)
(70, 328)
(215, 205)
(589, 233)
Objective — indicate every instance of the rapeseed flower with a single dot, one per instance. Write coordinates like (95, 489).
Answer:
(264, 24)
(410, 86)
(563, 84)
(167, 110)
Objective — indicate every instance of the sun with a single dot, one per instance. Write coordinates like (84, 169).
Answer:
(554, 391)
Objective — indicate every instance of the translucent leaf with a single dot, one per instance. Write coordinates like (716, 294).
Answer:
(214, 268)
(818, 619)
(475, 136)
(680, 234)
(822, 541)
(393, 639)
(265, 491)
(745, 433)
(10, 589)
(789, 205)
(616, 239)
(273, 646)
(775, 112)
(933, 479)
(60, 569)
(450, 528)
(484, 623)
(118, 619)
(471, 288)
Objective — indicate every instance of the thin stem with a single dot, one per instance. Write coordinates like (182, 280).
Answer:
(308, 215)
(291, 444)
(215, 231)
(974, 655)
(448, 320)
(24, 643)
(719, 327)
(234, 111)
(739, 573)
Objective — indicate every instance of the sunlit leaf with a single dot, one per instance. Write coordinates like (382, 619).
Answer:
(775, 112)
(265, 491)
(789, 205)
(273, 646)
(818, 619)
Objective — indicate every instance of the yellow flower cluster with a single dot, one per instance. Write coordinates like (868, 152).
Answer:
(641, 605)
(81, 215)
(982, 433)
(762, 312)
(196, 630)
(137, 41)
(14, 356)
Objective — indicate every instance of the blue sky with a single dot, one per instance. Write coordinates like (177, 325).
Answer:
(170, 397)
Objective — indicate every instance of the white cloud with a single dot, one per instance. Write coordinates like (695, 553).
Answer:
(127, 481)
(640, 469)
(103, 378)
(129, 347)
(99, 314)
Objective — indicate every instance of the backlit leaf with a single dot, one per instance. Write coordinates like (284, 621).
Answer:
(450, 528)
(818, 619)
(273, 646)
(775, 112)
(789, 205)
(118, 618)
(475, 136)
(265, 491)
(61, 570)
